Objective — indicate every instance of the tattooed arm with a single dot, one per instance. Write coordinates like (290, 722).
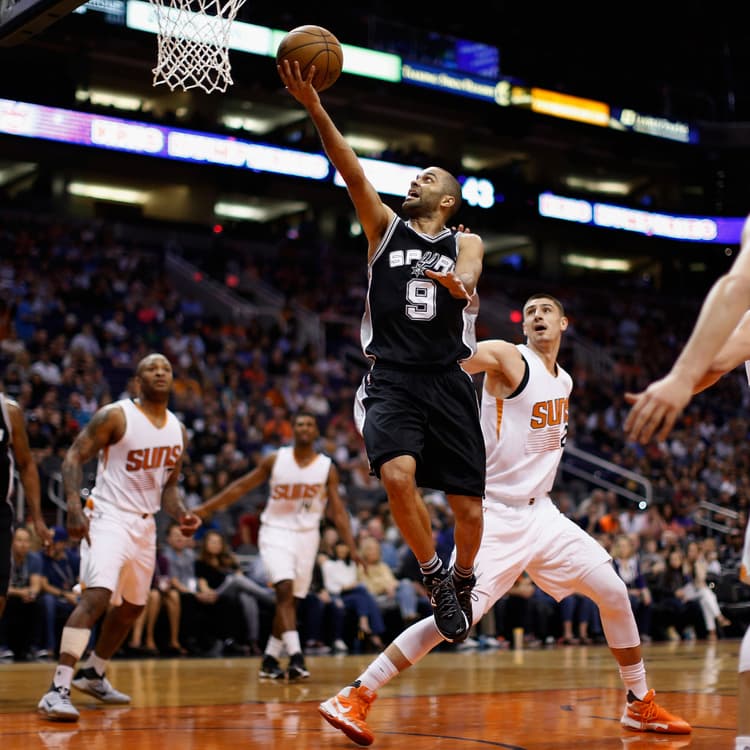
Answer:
(106, 427)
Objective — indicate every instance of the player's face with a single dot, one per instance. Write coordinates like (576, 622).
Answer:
(155, 377)
(305, 430)
(425, 193)
(542, 321)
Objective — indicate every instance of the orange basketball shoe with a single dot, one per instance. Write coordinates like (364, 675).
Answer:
(646, 715)
(347, 711)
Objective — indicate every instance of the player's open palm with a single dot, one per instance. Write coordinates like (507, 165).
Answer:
(301, 88)
(451, 282)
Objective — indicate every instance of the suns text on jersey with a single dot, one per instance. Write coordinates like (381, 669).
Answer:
(554, 411)
(152, 458)
(295, 491)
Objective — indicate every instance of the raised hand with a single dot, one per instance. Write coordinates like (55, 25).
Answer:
(451, 282)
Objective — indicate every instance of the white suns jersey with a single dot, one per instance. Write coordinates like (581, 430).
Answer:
(298, 494)
(132, 472)
(525, 434)
(745, 562)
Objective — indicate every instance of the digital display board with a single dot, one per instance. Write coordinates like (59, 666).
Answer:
(714, 229)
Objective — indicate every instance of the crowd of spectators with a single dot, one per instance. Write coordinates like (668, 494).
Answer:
(79, 306)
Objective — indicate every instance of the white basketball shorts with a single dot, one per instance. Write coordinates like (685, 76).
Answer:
(552, 549)
(122, 555)
(289, 555)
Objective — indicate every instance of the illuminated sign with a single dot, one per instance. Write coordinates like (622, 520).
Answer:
(390, 178)
(568, 107)
(473, 74)
(117, 134)
(660, 127)
(80, 128)
(450, 82)
(671, 226)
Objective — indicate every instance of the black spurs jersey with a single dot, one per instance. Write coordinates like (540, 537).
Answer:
(7, 464)
(410, 320)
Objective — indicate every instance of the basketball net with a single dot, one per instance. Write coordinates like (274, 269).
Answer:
(193, 38)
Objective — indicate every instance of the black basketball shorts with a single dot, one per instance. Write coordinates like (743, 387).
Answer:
(431, 416)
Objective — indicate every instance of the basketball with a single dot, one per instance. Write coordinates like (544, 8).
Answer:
(313, 45)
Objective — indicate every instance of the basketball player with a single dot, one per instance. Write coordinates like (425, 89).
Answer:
(140, 445)
(303, 485)
(524, 420)
(15, 450)
(721, 337)
(416, 407)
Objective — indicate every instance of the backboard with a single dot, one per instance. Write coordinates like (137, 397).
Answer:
(21, 19)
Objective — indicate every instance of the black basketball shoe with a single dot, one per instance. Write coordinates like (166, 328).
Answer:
(270, 669)
(297, 669)
(449, 616)
(464, 591)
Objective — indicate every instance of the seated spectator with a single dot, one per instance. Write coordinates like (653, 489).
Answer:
(676, 614)
(628, 566)
(200, 630)
(529, 608)
(577, 609)
(389, 591)
(389, 553)
(60, 566)
(696, 566)
(340, 580)
(162, 593)
(322, 617)
(217, 570)
(21, 622)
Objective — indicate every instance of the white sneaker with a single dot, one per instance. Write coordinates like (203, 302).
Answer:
(89, 681)
(55, 705)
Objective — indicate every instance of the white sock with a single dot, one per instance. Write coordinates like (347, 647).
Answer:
(99, 664)
(742, 743)
(380, 672)
(63, 676)
(634, 677)
(429, 567)
(291, 640)
(274, 647)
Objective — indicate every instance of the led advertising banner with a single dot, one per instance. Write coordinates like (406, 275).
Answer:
(714, 229)
(81, 128)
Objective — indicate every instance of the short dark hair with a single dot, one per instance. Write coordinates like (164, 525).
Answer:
(542, 295)
(304, 413)
(452, 187)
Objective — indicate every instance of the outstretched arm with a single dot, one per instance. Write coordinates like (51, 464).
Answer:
(733, 353)
(502, 364)
(237, 489)
(372, 213)
(655, 410)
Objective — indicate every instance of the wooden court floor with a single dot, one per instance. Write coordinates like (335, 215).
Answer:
(554, 698)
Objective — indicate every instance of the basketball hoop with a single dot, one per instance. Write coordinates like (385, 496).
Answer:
(193, 37)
